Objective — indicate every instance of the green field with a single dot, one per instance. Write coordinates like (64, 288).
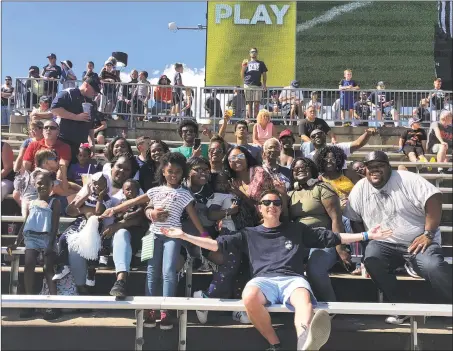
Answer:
(389, 41)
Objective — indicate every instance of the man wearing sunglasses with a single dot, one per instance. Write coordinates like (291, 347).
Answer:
(7, 100)
(251, 73)
(276, 251)
(50, 142)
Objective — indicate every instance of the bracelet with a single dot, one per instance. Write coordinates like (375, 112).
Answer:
(204, 234)
(365, 236)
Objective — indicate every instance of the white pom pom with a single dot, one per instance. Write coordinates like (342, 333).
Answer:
(87, 242)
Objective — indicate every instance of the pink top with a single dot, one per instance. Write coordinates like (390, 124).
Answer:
(264, 134)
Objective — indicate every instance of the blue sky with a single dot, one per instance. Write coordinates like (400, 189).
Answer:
(80, 32)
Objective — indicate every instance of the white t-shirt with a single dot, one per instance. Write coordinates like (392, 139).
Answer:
(399, 205)
(173, 200)
(346, 147)
(224, 201)
(291, 94)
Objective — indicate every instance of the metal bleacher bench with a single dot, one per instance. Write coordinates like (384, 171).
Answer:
(184, 304)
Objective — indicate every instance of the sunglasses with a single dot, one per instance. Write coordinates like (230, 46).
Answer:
(267, 203)
(315, 135)
(214, 150)
(51, 158)
(236, 157)
(200, 170)
(253, 51)
(50, 128)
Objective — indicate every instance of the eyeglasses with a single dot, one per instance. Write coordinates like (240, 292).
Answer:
(315, 135)
(50, 127)
(236, 157)
(200, 170)
(215, 150)
(253, 51)
(267, 203)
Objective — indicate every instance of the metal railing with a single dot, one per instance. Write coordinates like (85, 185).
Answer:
(287, 105)
(183, 305)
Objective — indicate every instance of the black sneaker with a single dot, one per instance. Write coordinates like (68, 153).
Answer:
(27, 313)
(51, 314)
(274, 348)
(151, 318)
(166, 320)
(119, 289)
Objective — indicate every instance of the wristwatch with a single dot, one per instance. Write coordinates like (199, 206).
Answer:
(429, 234)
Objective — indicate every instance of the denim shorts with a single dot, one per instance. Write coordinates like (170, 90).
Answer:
(35, 241)
(279, 289)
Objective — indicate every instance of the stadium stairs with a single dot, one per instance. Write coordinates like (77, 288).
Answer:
(114, 329)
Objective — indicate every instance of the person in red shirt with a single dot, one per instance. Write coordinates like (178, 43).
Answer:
(51, 142)
(162, 96)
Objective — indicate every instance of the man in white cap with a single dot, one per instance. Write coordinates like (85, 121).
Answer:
(67, 75)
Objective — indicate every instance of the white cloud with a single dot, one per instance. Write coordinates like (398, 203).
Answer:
(155, 72)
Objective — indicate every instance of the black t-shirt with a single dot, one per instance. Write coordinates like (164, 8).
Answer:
(278, 251)
(129, 89)
(91, 74)
(97, 122)
(71, 100)
(445, 132)
(380, 98)
(423, 114)
(10, 90)
(253, 72)
(306, 127)
(52, 71)
(362, 109)
(413, 137)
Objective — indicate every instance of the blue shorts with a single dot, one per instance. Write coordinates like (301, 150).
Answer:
(347, 101)
(33, 241)
(279, 289)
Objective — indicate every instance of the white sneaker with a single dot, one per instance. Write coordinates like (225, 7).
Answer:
(61, 273)
(396, 320)
(103, 260)
(201, 315)
(317, 334)
(241, 317)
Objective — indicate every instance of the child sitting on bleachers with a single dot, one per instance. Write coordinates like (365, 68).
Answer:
(24, 188)
(85, 165)
(223, 204)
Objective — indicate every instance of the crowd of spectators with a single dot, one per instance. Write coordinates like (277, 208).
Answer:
(263, 205)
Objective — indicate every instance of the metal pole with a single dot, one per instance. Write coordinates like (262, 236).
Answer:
(380, 296)
(414, 338)
(189, 279)
(182, 330)
(139, 341)
(14, 276)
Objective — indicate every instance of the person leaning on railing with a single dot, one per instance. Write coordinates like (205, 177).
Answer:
(162, 96)
(43, 111)
(7, 100)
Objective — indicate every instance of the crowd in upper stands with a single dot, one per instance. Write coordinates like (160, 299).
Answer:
(264, 205)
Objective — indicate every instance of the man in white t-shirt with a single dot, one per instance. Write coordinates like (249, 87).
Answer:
(292, 100)
(411, 207)
(319, 140)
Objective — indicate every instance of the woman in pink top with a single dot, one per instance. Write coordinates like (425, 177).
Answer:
(263, 128)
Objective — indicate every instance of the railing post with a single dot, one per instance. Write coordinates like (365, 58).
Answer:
(182, 330)
(414, 336)
(139, 341)
(380, 296)
(14, 275)
(189, 279)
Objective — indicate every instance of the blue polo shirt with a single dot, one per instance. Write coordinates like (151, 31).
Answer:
(71, 100)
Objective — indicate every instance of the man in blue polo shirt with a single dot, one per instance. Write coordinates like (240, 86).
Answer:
(76, 126)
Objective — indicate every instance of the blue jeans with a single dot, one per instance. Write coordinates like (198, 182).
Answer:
(122, 256)
(306, 147)
(160, 107)
(162, 278)
(5, 115)
(320, 261)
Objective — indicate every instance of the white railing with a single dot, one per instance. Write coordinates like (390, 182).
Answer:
(184, 304)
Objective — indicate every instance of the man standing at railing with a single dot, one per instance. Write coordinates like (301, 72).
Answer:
(76, 126)
(7, 100)
(292, 101)
(251, 73)
(51, 72)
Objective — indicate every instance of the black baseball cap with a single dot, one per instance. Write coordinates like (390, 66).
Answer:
(8, 77)
(378, 156)
(33, 68)
(45, 99)
(52, 56)
(95, 83)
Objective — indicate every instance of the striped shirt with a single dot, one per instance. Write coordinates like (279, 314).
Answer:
(173, 200)
(445, 17)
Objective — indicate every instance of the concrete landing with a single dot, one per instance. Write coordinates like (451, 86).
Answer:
(115, 330)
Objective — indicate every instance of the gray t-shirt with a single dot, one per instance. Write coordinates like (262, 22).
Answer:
(399, 205)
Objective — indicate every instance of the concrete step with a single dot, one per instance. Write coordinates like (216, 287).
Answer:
(115, 330)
